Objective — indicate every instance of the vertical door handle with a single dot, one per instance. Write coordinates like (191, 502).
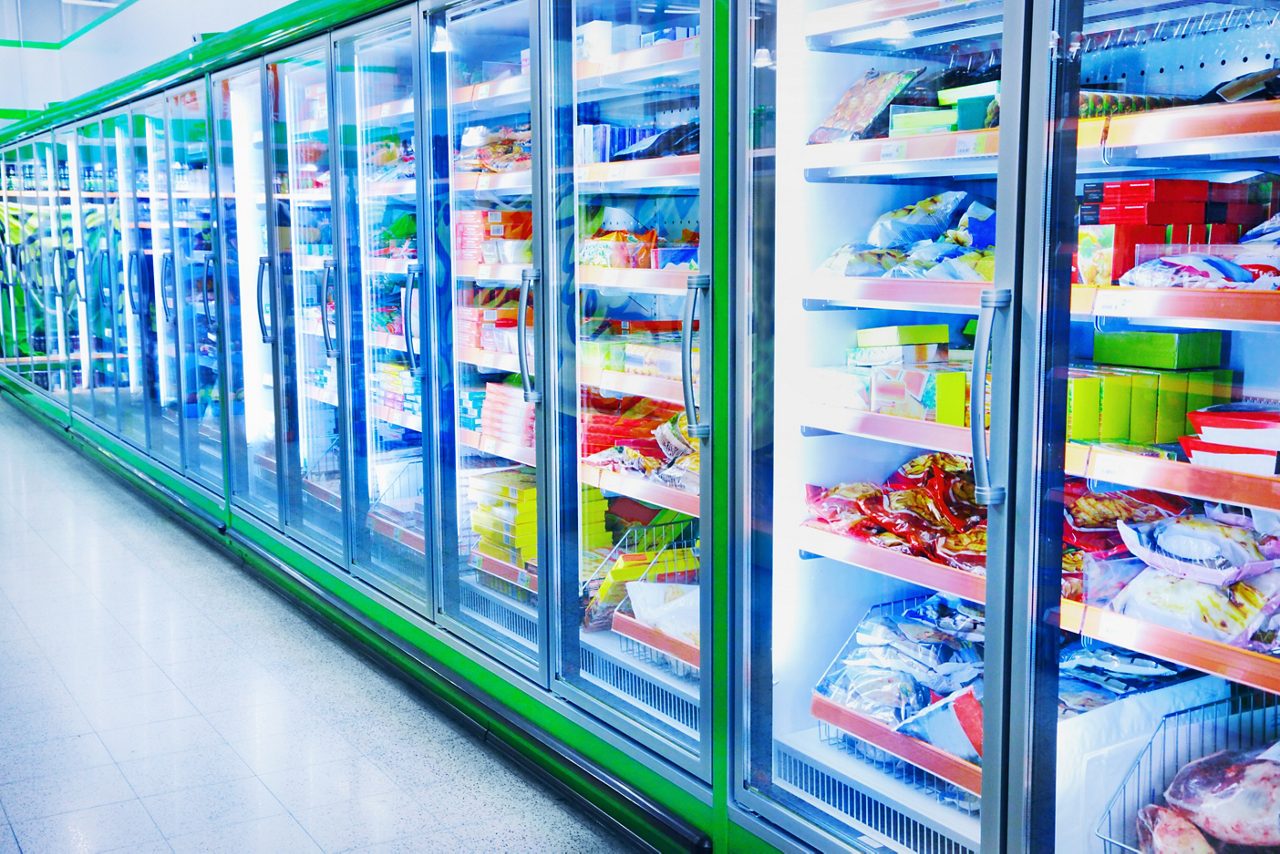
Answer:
(984, 491)
(81, 270)
(268, 335)
(134, 274)
(697, 285)
(527, 280)
(406, 314)
(326, 282)
(168, 284)
(210, 321)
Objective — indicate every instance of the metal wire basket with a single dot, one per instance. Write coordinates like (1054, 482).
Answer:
(1247, 721)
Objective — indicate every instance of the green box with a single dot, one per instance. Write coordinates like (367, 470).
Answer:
(1144, 400)
(949, 97)
(1114, 402)
(1084, 400)
(971, 113)
(1162, 350)
(1171, 406)
(891, 336)
(1201, 390)
(920, 121)
(922, 392)
(905, 354)
(1224, 385)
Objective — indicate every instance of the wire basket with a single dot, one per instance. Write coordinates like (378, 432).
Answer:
(662, 544)
(1244, 722)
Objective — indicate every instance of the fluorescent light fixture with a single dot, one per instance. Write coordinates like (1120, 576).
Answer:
(762, 58)
(96, 4)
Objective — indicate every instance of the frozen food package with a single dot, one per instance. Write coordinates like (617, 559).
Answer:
(1268, 231)
(851, 260)
(1234, 796)
(977, 227)
(953, 724)
(1077, 696)
(976, 266)
(1226, 614)
(1162, 830)
(862, 110)
(952, 616)
(1263, 522)
(1105, 577)
(1201, 549)
(1193, 270)
(670, 608)
(917, 470)
(842, 503)
(887, 696)
(926, 219)
(1090, 510)
(965, 550)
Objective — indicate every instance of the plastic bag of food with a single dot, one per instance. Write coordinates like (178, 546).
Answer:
(1162, 830)
(957, 498)
(887, 696)
(976, 266)
(863, 109)
(953, 724)
(683, 473)
(1233, 796)
(1077, 696)
(850, 260)
(917, 470)
(1198, 548)
(1264, 522)
(842, 503)
(670, 608)
(926, 219)
(977, 227)
(951, 616)
(1226, 614)
(913, 514)
(1193, 270)
(1104, 578)
(1268, 231)
(1073, 574)
(965, 550)
(1088, 510)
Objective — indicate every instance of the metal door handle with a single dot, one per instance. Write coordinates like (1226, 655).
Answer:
(697, 285)
(167, 273)
(326, 281)
(268, 336)
(984, 492)
(210, 321)
(406, 314)
(527, 280)
(81, 270)
(133, 276)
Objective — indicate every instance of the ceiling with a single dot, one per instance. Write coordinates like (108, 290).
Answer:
(50, 21)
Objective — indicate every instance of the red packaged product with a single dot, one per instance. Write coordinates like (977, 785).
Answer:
(1229, 193)
(917, 470)
(1221, 233)
(912, 514)
(1155, 190)
(842, 502)
(965, 550)
(1151, 213)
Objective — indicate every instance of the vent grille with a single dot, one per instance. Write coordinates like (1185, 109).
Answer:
(508, 619)
(641, 688)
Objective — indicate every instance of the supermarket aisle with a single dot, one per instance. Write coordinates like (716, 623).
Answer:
(154, 697)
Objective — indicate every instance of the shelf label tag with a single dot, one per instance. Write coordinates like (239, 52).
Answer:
(967, 146)
(893, 151)
(481, 91)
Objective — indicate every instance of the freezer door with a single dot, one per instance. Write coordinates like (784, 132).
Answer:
(195, 294)
(42, 288)
(9, 296)
(376, 87)
(631, 297)
(124, 297)
(93, 397)
(243, 306)
(25, 256)
(311, 328)
(153, 276)
(491, 515)
(77, 370)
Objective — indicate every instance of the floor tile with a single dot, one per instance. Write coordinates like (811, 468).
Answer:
(117, 713)
(68, 791)
(153, 739)
(52, 756)
(311, 786)
(277, 833)
(366, 821)
(125, 825)
(293, 748)
(186, 769)
(208, 808)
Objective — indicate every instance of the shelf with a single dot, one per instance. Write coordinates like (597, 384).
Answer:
(921, 754)
(956, 154)
(510, 91)
(320, 395)
(630, 627)
(664, 282)
(390, 110)
(654, 388)
(682, 171)
(516, 453)
(312, 196)
(380, 340)
(396, 532)
(518, 181)
(398, 417)
(816, 539)
(829, 290)
(485, 359)
(888, 428)
(388, 266)
(308, 263)
(507, 274)
(1239, 665)
(1247, 129)
(641, 489)
(1207, 484)
(509, 573)
(1202, 308)
(398, 187)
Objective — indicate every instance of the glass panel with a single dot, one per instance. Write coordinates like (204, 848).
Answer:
(125, 297)
(47, 328)
(85, 161)
(872, 151)
(1163, 576)
(633, 613)
(31, 313)
(78, 370)
(489, 512)
(12, 299)
(306, 264)
(196, 296)
(247, 289)
(154, 278)
(376, 113)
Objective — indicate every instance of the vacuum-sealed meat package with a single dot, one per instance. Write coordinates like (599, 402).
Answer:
(1162, 830)
(863, 109)
(1201, 549)
(1232, 796)
(1227, 614)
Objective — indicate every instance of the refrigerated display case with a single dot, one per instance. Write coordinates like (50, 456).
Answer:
(305, 268)
(77, 367)
(376, 97)
(11, 300)
(491, 518)
(124, 298)
(248, 291)
(634, 619)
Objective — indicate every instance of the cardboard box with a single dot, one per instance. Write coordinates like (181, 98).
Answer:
(1146, 213)
(923, 392)
(1201, 388)
(890, 336)
(906, 354)
(1143, 404)
(1114, 406)
(1093, 192)
(1234, 212)
(1084, 398)
(1220, 233)
(1162, 350)
(1229, 193)
(1107, 252)
(1171, 406)
(950, 97)
(1155, 190)
(1224, 385)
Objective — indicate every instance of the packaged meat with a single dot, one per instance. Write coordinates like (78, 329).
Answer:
(862, 110)
(953, 724)
(926, 219)
(1193, 270)
(1089, 510)
(917, 470)
(1232, 796)
(1201, 549)
(1162, 830)
(1226, 614)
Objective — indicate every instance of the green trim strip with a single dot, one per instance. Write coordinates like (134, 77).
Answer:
(30, 45)
(17, 113)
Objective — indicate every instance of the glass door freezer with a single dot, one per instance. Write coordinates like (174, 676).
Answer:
(92, 397)
(247, 290)
(629, 297)
(124, 299)
(312, 336)
(10, 294)
(77, 370)
(381, 278)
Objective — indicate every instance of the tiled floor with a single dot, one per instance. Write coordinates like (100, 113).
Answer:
(154, 697)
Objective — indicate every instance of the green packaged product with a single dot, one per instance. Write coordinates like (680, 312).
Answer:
(1160, 350)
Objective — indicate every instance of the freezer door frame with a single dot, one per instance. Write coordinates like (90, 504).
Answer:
(66, 135)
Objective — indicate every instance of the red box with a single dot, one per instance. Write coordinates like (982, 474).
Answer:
(1155, 190)
(1185, 233)
(1107, 251)
(1219, 233)
(1150, 213)
(1230, 193)
(1235, 212)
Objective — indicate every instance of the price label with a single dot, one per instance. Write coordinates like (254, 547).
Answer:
(893, 151)
(967, 146)
(522, 578)
(483, 182)
(481, 91)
